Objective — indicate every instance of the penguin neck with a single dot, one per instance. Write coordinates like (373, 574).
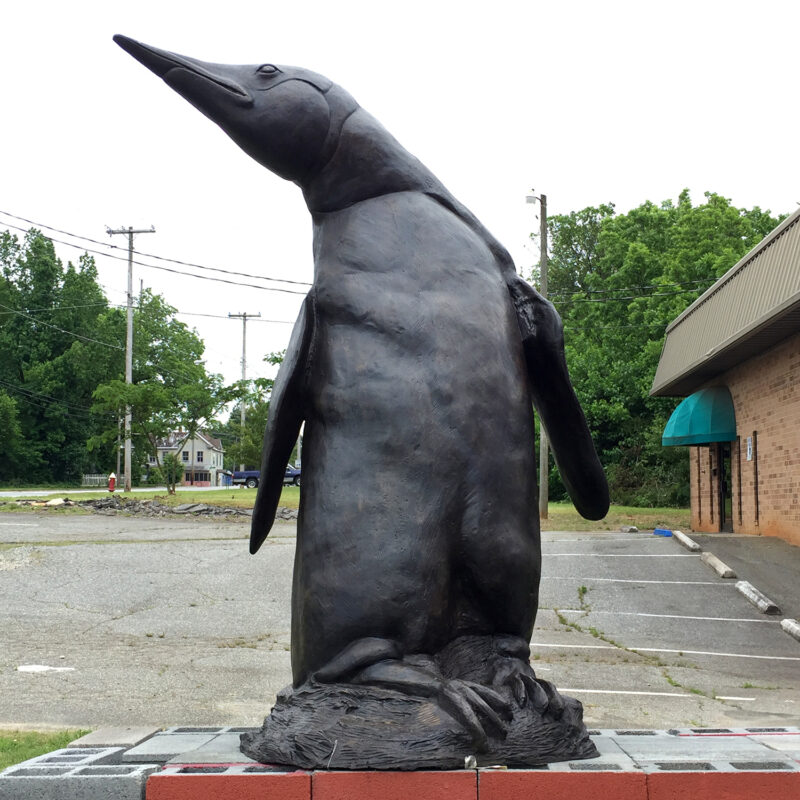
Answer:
(367, 162)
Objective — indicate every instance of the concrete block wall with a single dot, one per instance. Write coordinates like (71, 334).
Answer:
(80, 773)
(716, 764)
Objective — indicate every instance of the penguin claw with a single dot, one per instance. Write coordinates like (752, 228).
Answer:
(518, 676)
(536, 694)
(468, 702)
(492, 698)
(555, 702)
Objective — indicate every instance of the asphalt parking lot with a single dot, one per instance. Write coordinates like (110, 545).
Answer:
(669, 643)
(111, 620)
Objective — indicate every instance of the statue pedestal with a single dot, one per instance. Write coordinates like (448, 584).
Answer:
(341, 726)
(205, 764)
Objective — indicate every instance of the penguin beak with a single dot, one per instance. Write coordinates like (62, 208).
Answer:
(189, 77)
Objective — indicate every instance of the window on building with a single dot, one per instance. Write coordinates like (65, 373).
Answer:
(152, 459)
(185, 455)
(199, 456)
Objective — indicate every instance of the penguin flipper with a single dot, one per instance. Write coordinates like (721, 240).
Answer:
(554, 398)
(286, 414)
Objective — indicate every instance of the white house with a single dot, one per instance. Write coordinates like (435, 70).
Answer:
(201, 456)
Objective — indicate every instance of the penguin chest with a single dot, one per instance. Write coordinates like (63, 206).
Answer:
(413, 313)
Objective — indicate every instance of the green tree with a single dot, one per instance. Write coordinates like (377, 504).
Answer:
(171, 390)
(13, 443)
(617, 280)
(50, 356)
(243, 446)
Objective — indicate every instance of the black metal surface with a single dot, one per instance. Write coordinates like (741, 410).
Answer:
(414, 363)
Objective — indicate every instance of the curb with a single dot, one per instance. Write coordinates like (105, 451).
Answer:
(792, 627)
(687, 542)
(722, 569)
(758, 599)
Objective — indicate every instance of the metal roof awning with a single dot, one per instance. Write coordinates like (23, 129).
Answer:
(751, 308)
(703, 417)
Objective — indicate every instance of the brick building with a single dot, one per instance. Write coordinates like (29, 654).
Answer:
(735, 355)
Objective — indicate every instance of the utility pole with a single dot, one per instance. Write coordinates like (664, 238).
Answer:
(119, 443)
(129, 342)
(544, 454)
(243, 317)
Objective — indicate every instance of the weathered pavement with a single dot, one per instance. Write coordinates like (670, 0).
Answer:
(157, 621)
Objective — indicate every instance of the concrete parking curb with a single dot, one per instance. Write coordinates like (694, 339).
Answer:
(792, 627)
(686, 541)
(722, 569)
(758, 599)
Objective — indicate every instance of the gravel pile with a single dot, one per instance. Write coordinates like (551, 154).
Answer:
(150, 508)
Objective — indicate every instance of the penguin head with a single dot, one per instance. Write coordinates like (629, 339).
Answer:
(286, 118)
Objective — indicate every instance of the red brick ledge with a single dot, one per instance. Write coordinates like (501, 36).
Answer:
(172, 784)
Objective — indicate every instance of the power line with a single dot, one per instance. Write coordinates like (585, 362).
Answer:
(57, 308)
(164, 269)
(153, 255)
(61, 330)
(29, 393)
(222, 316)
(567, 326)
(630, 297)
(634, 288)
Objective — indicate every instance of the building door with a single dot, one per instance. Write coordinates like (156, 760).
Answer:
(725, 493)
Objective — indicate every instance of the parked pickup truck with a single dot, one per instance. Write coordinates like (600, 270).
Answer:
(251, 477)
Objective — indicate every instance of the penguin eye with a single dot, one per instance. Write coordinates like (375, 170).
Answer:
(267, 70)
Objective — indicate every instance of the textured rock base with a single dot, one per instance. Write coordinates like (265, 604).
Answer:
(339, 726)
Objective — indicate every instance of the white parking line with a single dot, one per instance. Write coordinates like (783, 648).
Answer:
(570, 689)
(625, 555)
(626, 539)
(660, 650)
(625, 580)
(19, 524)
(577, 646)
(668, 616)
(711, 653)
(586, 534)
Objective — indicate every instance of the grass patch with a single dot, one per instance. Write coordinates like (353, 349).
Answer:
(564, 517)
(16, 746)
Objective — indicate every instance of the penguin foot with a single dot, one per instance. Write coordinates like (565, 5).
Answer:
(512, 670)
(479, 709)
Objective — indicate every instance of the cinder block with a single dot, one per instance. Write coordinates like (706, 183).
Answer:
(450, 785)
(115, 737)
(532, 784)
(81, 779)
(723, 785)
(168, 744)
(646, 750)
(222, 749)
(612, 758)
(208, 785)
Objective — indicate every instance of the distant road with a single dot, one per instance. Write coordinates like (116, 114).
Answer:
(46, 492)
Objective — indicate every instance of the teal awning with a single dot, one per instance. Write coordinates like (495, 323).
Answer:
(703, 417)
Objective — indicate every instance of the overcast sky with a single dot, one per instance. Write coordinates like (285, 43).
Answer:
(588, 102)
